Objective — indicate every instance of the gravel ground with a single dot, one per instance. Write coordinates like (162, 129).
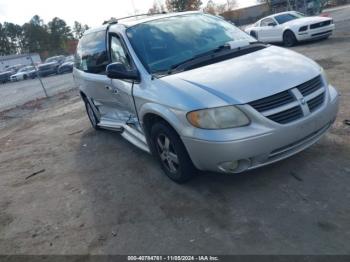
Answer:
(18, 93)
(97, 194)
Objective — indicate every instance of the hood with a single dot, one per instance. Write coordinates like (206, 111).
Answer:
(307, 21)
(23, 73)
(247, 78)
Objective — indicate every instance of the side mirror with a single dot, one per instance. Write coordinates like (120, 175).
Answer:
(119, 71)
(271, 24)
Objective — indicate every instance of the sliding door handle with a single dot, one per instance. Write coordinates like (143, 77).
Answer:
(112, 90)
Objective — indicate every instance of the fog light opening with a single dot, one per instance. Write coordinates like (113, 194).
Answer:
(234, 167)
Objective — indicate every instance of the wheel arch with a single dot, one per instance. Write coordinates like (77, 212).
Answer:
(285, 30)
(150, 113)
(82, 94)
(254, 34)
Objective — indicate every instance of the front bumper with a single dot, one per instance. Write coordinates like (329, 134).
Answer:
(312, 34)
(275, 142)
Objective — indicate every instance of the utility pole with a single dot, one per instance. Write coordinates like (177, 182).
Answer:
(38, 75)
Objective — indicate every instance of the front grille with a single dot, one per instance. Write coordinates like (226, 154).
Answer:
(321, 24)
(273, 101)
(292, 104)
(323, 33)
(310, 86)
(316, 102)
(287, 116)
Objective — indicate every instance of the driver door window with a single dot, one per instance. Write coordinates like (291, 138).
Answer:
(267, 22)
(118, 53)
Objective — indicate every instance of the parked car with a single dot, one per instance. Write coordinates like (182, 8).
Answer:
(291, 27)
(51, 65)
(5, 76)
(24, 73)
(67, 66)
(199, 93)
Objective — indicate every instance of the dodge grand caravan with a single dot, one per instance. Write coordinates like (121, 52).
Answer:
(199, 93)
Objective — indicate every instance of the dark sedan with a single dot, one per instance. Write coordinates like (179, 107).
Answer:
(50, 66)
(5, 76)
(66, 67)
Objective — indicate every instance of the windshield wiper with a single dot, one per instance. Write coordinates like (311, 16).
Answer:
(174, 67)
(207, 56)
(201, 55)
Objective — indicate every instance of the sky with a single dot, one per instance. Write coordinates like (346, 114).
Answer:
(89, 12)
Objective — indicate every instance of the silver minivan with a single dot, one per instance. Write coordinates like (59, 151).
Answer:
(198, 93)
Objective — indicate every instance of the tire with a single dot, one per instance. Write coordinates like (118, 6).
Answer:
(25, 77)
(91, 114)
(289, 39)
(171, 153)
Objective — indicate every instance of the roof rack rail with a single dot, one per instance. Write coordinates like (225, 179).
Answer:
(114, 20)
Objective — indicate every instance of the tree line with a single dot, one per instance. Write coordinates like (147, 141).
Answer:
(52, 38)
(37, 37)
(191, 5)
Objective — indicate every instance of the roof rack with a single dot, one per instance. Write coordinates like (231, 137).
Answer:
(114, 20)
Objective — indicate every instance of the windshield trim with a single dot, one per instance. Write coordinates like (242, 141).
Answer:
(141, 58)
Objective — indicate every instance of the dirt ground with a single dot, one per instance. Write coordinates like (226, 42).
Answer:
(97, 194)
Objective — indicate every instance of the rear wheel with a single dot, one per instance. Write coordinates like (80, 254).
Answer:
(91, 114)
(289, 39)
(171, 153)
(25, 77)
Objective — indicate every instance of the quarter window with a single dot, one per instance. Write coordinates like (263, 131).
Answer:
(91, 55)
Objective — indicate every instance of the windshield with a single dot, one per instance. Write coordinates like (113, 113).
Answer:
(163, 43)
(51, 59)
(281, 19)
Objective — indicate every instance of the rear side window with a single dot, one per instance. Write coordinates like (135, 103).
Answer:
(91, 55)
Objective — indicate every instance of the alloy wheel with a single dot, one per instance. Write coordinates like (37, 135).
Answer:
(167, 153)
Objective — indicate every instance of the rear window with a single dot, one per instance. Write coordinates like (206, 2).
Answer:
(91, 55)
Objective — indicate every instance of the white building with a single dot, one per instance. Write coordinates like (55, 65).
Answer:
(22, 59)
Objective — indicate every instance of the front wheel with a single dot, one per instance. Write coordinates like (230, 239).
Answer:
(171, 153)
(289, 39)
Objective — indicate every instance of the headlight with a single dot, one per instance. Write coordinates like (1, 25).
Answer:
(218, 118)
(303, 28)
